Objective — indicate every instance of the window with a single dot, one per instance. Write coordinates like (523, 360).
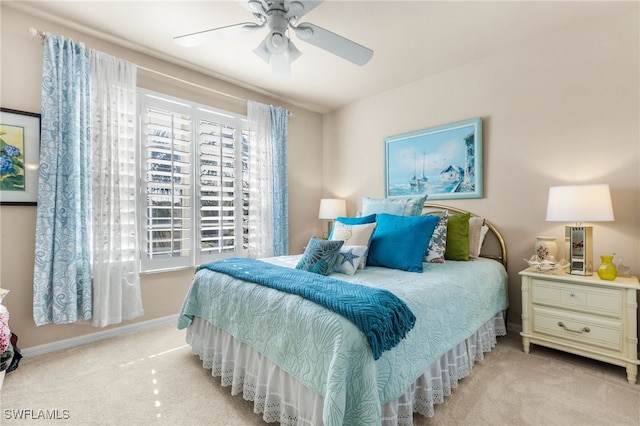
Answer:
(194, 189)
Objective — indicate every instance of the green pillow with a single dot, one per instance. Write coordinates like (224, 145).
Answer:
(457, 247)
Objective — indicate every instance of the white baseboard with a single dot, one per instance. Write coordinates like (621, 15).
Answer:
(95, 337)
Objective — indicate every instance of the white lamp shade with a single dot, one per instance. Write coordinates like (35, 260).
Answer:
(580, 203)
(331, 208)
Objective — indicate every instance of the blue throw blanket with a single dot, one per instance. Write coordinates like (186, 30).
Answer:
(378, 313)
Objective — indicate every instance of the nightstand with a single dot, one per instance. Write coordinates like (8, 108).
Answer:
(583, 315)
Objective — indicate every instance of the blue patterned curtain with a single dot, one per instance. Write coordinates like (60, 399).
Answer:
(62, 271)
(280, 206)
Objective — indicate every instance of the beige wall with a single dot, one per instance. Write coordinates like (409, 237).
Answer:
(162, 293)
(560, 110)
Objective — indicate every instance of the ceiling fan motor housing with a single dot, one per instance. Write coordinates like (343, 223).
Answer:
(278, 25)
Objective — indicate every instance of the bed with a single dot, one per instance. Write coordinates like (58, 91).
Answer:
(303, 364)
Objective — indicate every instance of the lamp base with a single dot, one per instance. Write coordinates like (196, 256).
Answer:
(329, 228)
(579, 249)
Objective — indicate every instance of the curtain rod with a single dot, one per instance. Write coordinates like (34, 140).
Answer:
(42, 34)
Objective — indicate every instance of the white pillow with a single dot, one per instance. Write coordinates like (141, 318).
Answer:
(483, 233)
(349, 259)
(475, 229)
(354, 235)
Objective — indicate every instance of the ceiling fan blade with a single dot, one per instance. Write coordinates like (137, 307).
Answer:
(256, 6)
(334, 43)
(298, 8)
(221, 33)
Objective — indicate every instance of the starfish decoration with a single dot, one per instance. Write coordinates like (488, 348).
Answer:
(348, 257)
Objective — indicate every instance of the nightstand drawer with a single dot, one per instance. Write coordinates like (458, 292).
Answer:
(595, 300)
(585, 329)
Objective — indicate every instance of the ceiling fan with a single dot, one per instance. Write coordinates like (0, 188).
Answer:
(277, 49)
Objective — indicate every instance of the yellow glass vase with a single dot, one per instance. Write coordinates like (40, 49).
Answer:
(607, 270)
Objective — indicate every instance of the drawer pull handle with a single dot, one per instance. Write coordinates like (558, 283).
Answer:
(584, 329)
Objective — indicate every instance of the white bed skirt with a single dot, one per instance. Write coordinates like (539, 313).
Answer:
(281, 398)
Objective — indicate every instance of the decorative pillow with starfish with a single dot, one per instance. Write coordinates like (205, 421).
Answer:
(349, 258)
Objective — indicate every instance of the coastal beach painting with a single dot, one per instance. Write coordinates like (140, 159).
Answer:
(444, 162)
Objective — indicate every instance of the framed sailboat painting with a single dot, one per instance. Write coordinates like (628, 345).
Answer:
(444, 162)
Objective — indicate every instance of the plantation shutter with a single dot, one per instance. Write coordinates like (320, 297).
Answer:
(194, 185)
(168, 153)
(218, 176)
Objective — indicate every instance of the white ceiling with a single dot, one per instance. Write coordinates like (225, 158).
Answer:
(411, 39)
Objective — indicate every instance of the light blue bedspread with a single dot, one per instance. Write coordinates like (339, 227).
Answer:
(378, 313)
(328, 353)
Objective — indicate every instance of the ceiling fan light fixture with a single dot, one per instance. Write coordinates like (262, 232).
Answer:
(277, 43)
(263, 51)
(279, 60)
(292, 52)
(280, 65)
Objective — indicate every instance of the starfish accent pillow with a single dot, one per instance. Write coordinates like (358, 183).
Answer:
(349, 258)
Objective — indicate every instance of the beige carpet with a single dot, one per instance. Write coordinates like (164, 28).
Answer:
(151, 377)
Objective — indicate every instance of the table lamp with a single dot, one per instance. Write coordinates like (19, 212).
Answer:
(331, 208)
(579, 203)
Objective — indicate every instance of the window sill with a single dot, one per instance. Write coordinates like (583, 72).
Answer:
(161, 271)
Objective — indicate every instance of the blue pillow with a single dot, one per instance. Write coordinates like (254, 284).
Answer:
(320, 256)
(402, 206)
(400, 242)
(357, 220)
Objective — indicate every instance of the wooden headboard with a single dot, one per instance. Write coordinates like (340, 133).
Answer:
(496, 250)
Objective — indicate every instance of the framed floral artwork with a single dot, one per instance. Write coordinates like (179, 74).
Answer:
(19, 157)
(444, 162)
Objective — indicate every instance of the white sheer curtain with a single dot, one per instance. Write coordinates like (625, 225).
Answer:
(260, 181)
(115, 271)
